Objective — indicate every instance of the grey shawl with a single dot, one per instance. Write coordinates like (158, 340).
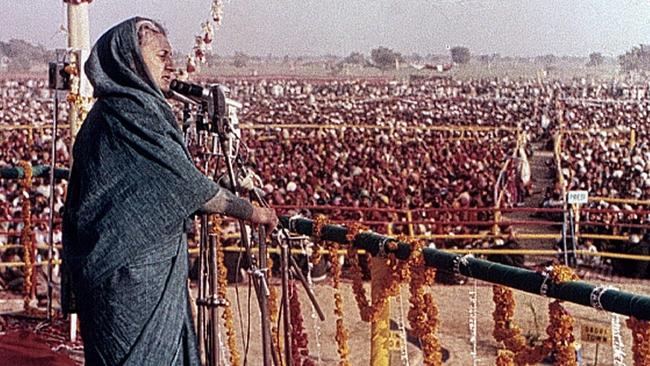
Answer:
(132, 185)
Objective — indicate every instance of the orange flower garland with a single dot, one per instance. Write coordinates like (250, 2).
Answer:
(505, 358)
(561, 273)
(222, 279)
(560, 329)
(506, 331)
(274, 307)
(423, 313)
(641, 341)
(299, 339)
(365, 308)
(341, 332)
(399, 273)
(80, 103)
(27, 235)
(319, 222)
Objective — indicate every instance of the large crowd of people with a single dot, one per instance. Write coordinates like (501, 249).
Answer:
(422, 144)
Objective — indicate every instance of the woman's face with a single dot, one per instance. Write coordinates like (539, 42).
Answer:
(157, 55)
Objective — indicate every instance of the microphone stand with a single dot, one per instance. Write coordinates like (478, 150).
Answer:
(288, 266)
(208, 300)
(50, 234)
(216, 106)
(259, 274)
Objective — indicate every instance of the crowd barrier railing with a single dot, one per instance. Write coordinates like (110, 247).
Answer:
(557, 283)
(618, 302)
(38, 171)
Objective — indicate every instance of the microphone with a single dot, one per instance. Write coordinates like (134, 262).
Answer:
(189, 90)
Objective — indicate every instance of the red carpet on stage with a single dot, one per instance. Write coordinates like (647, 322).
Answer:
(23, 348)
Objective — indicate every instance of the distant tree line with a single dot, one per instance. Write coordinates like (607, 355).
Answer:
(636, 59)
(22, 56)
(460, 55)
(595, 59)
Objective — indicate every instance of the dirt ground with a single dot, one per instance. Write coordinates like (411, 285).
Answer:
(453, 303)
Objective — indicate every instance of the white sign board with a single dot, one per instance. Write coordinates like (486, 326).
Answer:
(577, 197)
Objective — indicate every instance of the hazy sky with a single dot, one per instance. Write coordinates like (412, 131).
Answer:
(316, 27)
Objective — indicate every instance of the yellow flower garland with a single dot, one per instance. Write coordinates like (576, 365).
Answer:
(641, 341)
(222, 278)
(341, 333)
(27, 235)
(319, 222)
(505, 358)
(423, 313)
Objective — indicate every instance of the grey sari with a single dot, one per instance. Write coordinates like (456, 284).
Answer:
(132, 186)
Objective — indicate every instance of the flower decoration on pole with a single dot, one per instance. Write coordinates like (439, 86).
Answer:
(27, 236)
(341, 332)
(203, 41)
(222, 277)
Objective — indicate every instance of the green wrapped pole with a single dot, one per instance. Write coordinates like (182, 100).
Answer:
(577, 292)
(38, 171)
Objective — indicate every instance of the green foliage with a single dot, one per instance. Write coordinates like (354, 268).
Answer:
(636, 59)
(460, 55)
(240, 59)
(385, 58)
(355, 58)
(595, 59)
(547, 60)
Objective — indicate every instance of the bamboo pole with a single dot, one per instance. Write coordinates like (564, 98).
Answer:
(380, 328)
(79, 40)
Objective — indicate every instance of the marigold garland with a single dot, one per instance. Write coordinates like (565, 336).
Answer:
(423, 313)
(341, 333)
(506, 331)
(27, 235)
(319, 222)
(641, 340)
(74, 98)
(505, 358)
(274, 307)
(222, 279)
(365, 309)
(562, 273)
(299, 339)
(399, 273)
(26, 180)
(560, 329)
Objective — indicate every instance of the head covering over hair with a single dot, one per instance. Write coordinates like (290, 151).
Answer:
(131, 188)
